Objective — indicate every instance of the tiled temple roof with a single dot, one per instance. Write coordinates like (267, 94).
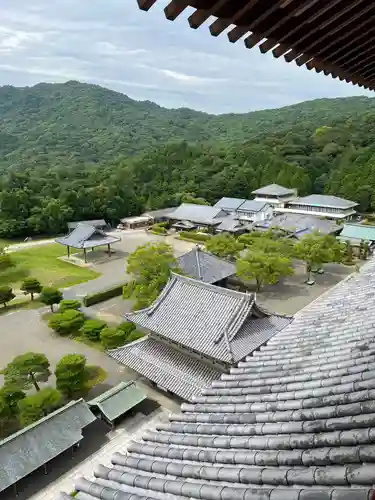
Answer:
(294, 421)
(204, 266)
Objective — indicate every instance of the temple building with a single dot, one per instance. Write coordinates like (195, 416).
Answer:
(321, 205)
(196, 332)
(274, 195)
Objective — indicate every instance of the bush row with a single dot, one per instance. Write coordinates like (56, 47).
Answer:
(193, 236)
(109, 293)
(159, 228)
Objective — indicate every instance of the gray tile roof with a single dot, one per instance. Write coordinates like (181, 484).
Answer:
(273, 190)
(87, 236)
(229, 203)
(294, 421)
(96, 223)
(252, 206)
(30, 448)
(324, 200)
(118, 400)
(205, 266)
(168, 367)
(231, 224)
(296, 223)
(201, 214)
(206, 318)
(161, 212)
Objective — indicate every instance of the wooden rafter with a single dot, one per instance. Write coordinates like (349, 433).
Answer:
(336, 37)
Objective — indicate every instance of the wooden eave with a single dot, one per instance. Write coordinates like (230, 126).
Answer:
(333, 36)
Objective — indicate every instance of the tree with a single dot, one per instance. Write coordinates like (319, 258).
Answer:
(150, 266)
(6, 261)
(91, 329)
(32, 408)
(71, 375)
(67, 323)
(69, 304)
(112, 337)
(316, 249)
(224, 246)
(264, 268)
(6, 294)
(27, 370)
(51, 296)
(31, 286)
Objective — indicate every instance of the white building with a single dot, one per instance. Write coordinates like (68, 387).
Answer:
(321, 205)
(246, 210)
(274, 195)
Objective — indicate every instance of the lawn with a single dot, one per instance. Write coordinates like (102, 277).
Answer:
(42, 262)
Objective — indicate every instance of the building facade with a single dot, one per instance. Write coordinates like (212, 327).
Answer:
(275, 195)
(330, 207)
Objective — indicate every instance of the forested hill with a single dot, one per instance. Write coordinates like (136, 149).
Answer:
(76, 122)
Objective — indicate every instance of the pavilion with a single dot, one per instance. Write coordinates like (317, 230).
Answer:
(195, 332)
(85, 237)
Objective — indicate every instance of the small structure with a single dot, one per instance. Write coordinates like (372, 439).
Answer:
(202, 216)
(99, 224)
(231, 224)
(136, 222)
(274, 195)
(297, 226)
(254, 211)
(321, 205)
(160, 215)
(356, 235)
(196, 331)
(84, 237)
(117, 401)
(34, 446)
(206, 267)
(230, 205)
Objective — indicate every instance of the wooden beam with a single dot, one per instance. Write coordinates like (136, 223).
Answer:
(220, 25)
(200, 16)
(175, 8)
(146, 4)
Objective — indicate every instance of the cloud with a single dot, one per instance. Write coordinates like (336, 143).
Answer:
(116, 45)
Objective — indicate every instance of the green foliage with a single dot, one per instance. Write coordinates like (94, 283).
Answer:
(194, 236)
(91, 329)
(109, 293)
(264, 268)
(9, 398)
(71, 375)
(26, 370)
(6, 294)
(113, 337)
(69, 304)
(127, 327)
(36, 406)
(224, 246)
(68, 322)
(50, 296)
(6, 261)
(134, 335)
(159, 228)
(150, 266)
(31, 286)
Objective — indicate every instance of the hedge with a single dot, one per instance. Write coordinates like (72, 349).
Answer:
(186, 235)
(158, 229)
(109, 293)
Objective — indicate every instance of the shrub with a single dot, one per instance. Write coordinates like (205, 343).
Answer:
(6, 294)
(92, 327)
(71, 375)
(127, 327)
(109, 293)
(69, 304)
(50, 296)
(67, 322)
(191, 235)
(31, 286)
(112, 338)
(159, 228)
(134, 335)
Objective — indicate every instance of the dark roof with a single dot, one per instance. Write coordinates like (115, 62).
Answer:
(208, 319)
(273, 190)
(231, 224)
(201, 214)
(324, 200)
(298, 224)
(96, 223)
(205, 266)
(184, 224)
(161, 212)
(294, 421)
(86, 236)
(334, 37)
(229, 203)
(167, 366)
(253, 206)
(35, 445)
(118, 400)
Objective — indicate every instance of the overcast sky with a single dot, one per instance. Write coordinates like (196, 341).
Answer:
(114, 44)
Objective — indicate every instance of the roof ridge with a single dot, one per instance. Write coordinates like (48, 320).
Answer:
(210, 286)
(229, 331)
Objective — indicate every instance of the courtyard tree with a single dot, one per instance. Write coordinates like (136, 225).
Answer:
(6, 294)
(113, 337)
(149, 266)
(67, 323)
(11, 396)
(31, 286)
(6, 261)
(27, 370)
(264, 268)
(71, 375)
(50, 296)
(69, 304)
(316, 249)
(36, 406)
(224, 246)
(91, 329)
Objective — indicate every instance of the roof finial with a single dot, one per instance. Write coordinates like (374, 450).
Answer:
(198, 248)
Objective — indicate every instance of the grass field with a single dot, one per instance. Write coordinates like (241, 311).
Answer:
(42, 262)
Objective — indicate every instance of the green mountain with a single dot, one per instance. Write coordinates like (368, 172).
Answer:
(78, 122)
